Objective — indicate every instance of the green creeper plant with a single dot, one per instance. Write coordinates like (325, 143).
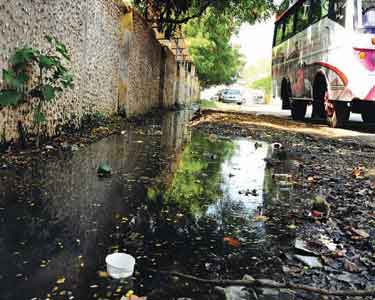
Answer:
(36, 75)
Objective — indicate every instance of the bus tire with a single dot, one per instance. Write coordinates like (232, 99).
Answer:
(319, 91)
(339, 114)
(285, 94)
(368, 116)
(298, 110)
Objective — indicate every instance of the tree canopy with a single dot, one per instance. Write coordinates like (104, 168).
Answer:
(168, 15)
(208, 40)
(208, 26)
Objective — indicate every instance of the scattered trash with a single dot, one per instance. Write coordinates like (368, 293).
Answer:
(232, 241)
(351, 267)
(311, 261)
(235, 292)
(321, 205)
(358, 172)
(120, 265)
(283, 177)
(359, 233)
(302, 246)
(74, 148)
(104, 170)
(100, 131)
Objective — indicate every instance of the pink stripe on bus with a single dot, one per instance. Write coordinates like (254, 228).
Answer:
(339, 73)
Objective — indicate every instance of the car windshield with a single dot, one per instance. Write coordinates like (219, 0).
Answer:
(233, 92)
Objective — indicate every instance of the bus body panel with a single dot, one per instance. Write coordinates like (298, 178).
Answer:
(329, 48)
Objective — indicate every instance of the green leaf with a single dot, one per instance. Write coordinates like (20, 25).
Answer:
(48, 92)
(22, 78)
(15, 81)
(49, 38)
(10, 97)
(60, 71)
(8, 76)
(67, 80)
(39, 117)
(46, 61)
(61, 48)
(23, 56)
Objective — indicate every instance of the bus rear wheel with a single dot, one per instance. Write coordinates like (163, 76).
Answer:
(368, 116)
(298, 110)
(285, 94)
(337, 113)
(320, 88)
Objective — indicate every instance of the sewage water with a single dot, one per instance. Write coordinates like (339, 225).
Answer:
(177, 201)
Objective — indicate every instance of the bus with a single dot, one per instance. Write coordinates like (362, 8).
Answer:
(324, 55)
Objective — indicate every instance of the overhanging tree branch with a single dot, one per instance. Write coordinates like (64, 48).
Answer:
(188, 18)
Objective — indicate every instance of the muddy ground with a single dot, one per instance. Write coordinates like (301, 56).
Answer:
(338, 171)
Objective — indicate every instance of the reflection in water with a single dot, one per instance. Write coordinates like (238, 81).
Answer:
(171, 201)
(242, 185)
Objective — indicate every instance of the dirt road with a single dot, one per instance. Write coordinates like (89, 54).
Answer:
(273, 117)
(333, 168)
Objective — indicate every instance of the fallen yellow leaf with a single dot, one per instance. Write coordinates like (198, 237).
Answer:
(61, 280)
(102, 274)
(261, 218)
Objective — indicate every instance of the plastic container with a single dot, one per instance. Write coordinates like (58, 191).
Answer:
(120, 265)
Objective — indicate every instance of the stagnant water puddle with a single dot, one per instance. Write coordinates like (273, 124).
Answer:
(177, 201)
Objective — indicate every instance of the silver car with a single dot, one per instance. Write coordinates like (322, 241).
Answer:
(231, 96)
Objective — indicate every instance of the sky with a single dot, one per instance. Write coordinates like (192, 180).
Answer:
(255, 41)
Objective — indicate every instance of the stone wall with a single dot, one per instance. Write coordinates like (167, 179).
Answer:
(90, 29)
(118, 64)
(187, 84)
(144, 63)
(170, 75)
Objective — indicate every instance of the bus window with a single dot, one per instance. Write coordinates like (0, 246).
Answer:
(289, 26)
(325, 8)
(369, 17)
(339, 11)
(320, 9)
(302, 16)
(279, 33)
(368, 13)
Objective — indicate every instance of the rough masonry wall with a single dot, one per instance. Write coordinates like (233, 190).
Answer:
(180, 95)
(90, 29)
(144, 63)
(117, 61)
(169, 79)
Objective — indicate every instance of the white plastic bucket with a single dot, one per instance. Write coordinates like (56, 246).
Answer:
(120, 265)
